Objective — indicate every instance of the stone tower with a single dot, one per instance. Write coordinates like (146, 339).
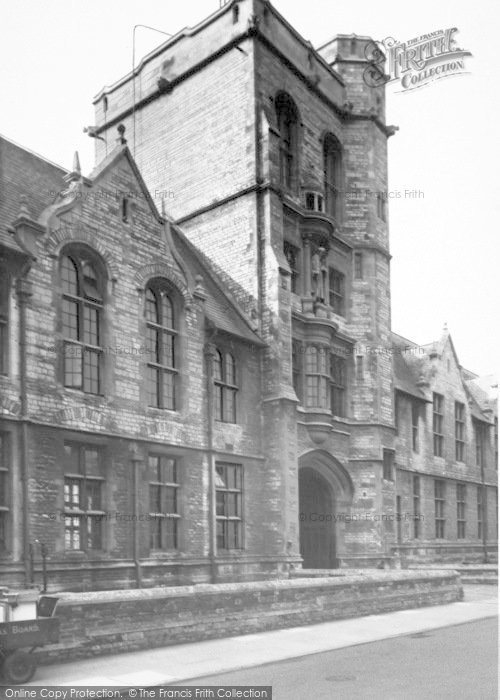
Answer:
(272, 157)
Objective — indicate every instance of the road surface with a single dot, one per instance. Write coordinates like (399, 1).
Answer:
(458, 662)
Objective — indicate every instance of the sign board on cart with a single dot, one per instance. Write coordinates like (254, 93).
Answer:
(26, 633)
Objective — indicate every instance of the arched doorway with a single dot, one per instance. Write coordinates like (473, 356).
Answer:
(325, 494)
(317, 526)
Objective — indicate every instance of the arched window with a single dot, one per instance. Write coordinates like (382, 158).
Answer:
(82, 319)
(225, 387)
(161, 336)
(332, 175)
(287, 117)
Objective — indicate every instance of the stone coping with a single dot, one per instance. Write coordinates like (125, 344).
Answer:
(454, 567)
(336, 580)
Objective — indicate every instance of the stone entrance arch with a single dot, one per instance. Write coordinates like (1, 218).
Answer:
(325, 493)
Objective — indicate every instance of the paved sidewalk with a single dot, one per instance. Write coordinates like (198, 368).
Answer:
(187, 661)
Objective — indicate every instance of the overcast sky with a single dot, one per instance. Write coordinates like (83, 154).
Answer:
(56, 55)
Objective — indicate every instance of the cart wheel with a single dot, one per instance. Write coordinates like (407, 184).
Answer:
(19, 667)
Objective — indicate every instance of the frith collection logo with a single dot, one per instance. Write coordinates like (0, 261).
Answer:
(417, 62)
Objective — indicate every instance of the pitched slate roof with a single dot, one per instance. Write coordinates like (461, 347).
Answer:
(406, 374)
(220, 306)
(23, 172)
(480, 400)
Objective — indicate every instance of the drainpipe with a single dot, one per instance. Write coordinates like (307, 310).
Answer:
(485, 504)
(136, 462)
(209, 352)
(24, 293)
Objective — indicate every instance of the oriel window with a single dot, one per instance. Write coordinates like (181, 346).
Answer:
(338, 385)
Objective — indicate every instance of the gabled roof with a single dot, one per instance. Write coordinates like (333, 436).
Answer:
(220, 306)
(406, 375)
(123, 151)
(24, 173)
(480, 401)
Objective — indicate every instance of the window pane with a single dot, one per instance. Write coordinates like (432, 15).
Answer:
(229, 405)
(171, 500)
(71, 459)
(218, 371)
(312, 391)
(70, 319)
(167, 350)
(69, 277)
(93, 500)
(91, 377)
(90, 282)
(73, 365)
(72, 533)
(220, 477)
(152, 346)
(92, 462)
(169, 470)
(155, 498)
(170, 528)
(94, 533)
(151, 307)
(155, 533)
(230, 370)
(167, 312)
(90, 325)
(220, 503)
(219, 390)
(168, 390)
(152, 387)
(154, 468)
(72, 494)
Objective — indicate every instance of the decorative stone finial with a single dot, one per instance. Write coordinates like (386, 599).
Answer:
(76, 164)
(23, 207)
(121, 138)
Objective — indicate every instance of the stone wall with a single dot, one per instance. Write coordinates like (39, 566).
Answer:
(96, 623)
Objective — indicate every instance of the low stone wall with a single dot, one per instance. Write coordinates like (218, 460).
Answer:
(118, 621)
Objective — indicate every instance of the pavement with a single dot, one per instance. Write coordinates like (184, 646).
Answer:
(168, 665)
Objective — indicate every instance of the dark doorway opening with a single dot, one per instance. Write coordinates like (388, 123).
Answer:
(317, 520)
